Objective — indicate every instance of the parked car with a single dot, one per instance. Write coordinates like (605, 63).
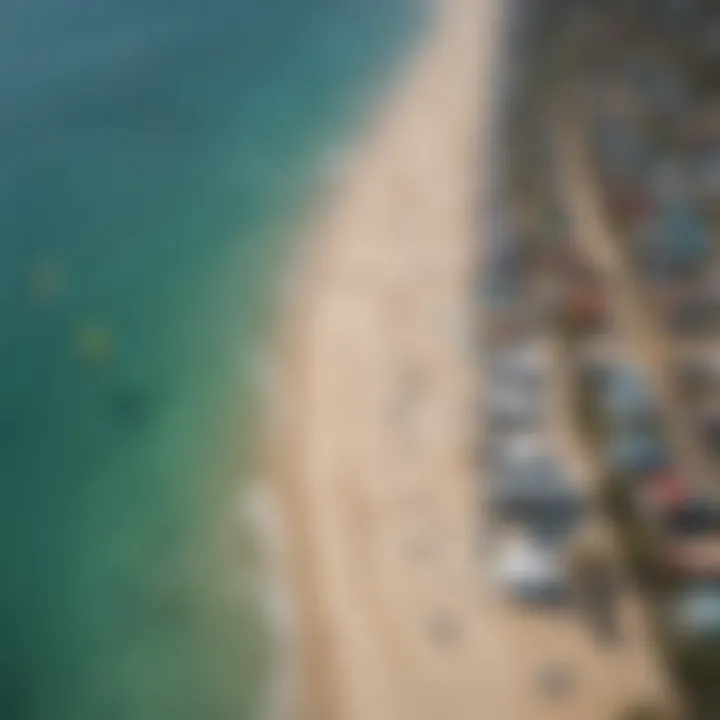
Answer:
(526, 366)
(529, 568)
(696, 610)
(636, 453)
(511, 407)
(527, 483)
(669, 499)
(518, 450)
(677, 242)
(625, 395)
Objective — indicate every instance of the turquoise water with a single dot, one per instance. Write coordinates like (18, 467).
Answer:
(150, 154)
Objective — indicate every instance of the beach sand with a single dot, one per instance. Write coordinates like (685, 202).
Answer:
(395, 615)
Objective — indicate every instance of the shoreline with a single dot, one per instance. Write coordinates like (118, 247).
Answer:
(289, 686)
(315, 695)
(395, 616)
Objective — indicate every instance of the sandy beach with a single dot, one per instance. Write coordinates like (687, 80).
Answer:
(395, 614)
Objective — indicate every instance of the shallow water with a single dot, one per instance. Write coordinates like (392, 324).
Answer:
(150, 154)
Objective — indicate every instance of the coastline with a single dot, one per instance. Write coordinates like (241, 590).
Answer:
(313, 686)
(369, 449)
(298, 686)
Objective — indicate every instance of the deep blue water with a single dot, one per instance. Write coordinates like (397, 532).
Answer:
(150, 155)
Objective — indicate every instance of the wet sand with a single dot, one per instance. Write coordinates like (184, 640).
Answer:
(396, 614)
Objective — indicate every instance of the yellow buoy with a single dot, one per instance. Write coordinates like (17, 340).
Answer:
(94, 342)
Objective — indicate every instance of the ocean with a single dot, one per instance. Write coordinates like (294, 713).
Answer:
(152, 158)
